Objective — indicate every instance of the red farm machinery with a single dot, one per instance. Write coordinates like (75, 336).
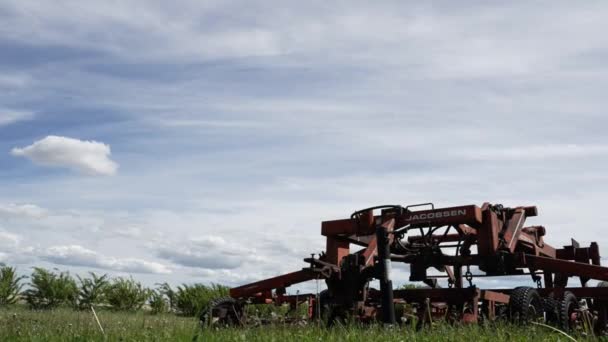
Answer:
(458, 244)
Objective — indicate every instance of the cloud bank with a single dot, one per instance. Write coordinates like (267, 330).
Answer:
(211, 252)
(76, 255)
(11, 210)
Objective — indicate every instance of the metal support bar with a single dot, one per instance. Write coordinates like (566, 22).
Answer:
(384, 269)
(565, 267)
(272, 283)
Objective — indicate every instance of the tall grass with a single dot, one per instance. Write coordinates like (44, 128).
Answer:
(19, 324)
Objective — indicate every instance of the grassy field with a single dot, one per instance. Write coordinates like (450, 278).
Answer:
(21, 324)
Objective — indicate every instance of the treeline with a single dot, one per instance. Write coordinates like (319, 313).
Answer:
(51, 289)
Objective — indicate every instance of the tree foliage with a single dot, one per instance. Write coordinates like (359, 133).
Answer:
(49, 290)
(158, 302)
(165, 290)
(92, 291)
(10, 285)
(126, 294)
(191, 299)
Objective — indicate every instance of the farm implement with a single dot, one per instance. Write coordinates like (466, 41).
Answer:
(457, 244)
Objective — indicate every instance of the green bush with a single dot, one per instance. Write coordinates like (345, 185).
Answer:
(49, 290)
(158, 303)
(91, 291)
(126, 294)
(191, 299)
(165, 290)
(10, 285)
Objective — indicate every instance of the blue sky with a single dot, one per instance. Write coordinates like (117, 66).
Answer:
(205, 141)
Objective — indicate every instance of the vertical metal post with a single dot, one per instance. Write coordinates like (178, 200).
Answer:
(318, 304)
(384, 275)
(458, 276)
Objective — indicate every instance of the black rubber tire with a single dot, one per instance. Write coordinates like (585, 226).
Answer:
(232, 314)
(551, 307)
(525, 305)
(567, 306)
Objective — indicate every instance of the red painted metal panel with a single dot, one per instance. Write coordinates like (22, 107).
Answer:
(487, 236)
(470, 214)
(335, 250)
(338, 227)
(513, 229)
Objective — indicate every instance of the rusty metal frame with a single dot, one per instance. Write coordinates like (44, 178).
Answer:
(504, 246)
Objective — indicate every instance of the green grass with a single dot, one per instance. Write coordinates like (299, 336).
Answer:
(21, 324)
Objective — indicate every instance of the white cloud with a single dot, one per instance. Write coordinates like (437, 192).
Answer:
(89, 157)
(8, 241)
(76, 255)
(12, 251)
(229, 277)
(22, 211)
(119, 35)
(211, 252)
(10, 116)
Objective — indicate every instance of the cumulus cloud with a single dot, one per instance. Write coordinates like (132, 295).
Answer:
(76, 255)
(11, 249)
(8, 241)
(230, 277)
(22, 211)
(211, 252)
(88, 157)
(9, 116)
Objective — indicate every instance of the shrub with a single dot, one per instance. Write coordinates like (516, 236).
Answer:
(92, 290)
(191, 299)
(126, 294)
(166, 290)
(10, 285)
(158, 303)
(49, 290)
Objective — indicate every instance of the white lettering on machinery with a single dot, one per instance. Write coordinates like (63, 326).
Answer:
(437, 215)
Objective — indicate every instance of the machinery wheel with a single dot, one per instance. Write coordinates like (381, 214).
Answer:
(223, 311)
(525, 305)
(568, 307)
(601, 326)
(551, 307)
